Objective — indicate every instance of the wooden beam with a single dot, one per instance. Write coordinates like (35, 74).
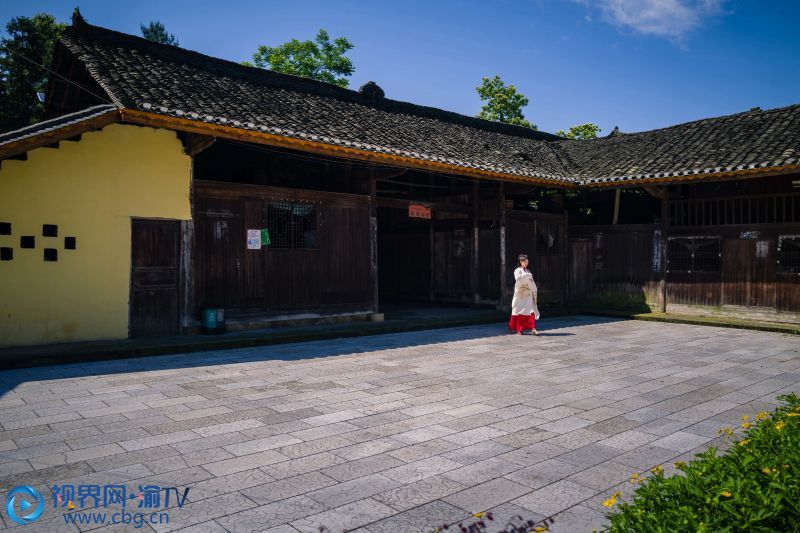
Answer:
(194, 143)
(146, 118)
(664, 248)
(475, 264)
(732, 175)
(616, 206)
(402, 203)
(373, 241)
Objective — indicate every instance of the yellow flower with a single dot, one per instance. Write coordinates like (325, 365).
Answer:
(725, 431)
(768, 470)
(635, 478)
(745, 418)
(792, 414)
(779, 425)
(657, 470)
(478, 515)
(539, 529)
(762, 415)
(746, 425)
(726, 493)
(612, 500)
(744, 442)
(679, 464)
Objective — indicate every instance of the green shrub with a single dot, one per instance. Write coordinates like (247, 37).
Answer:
(754, 487)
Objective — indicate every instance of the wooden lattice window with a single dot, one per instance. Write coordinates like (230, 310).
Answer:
(694, 254)
(789, 254)
(292, 225)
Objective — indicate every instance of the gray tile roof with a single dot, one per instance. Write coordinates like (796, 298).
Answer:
(54, 124)
(749, 140)
(139, 74)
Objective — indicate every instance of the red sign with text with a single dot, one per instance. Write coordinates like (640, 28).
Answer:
(419, 211)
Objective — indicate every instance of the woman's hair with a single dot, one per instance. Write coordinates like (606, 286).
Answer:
(521, 258)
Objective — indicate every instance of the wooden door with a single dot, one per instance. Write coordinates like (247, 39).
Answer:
(581, 271)
(220, 241)
(738, 255)
(155, 275)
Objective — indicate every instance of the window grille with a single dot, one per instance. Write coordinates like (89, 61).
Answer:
(694, 254)
(548, 241)
(789, 254)
(292, 225)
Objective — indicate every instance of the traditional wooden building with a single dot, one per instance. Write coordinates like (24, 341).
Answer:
(165, 181)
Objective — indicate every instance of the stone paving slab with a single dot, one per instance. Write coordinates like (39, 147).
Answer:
(402, 432)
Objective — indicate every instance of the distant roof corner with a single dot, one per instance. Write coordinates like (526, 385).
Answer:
(614, 132)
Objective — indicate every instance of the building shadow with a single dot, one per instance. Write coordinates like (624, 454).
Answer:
(301, 351)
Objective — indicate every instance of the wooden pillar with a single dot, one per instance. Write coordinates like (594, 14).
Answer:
(565, 265)
(476, 297)
(664, 233)
(373, 239)
(616, 206)
(433, 258)
(502, 216)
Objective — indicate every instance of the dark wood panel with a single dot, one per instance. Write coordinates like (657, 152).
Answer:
(330, 266)
(489, 263)
(344, 255)
(788, 293)
(541, 240)
(220, 246)
(581, 266)
(737, 255)
(452, 256)
(155, 258)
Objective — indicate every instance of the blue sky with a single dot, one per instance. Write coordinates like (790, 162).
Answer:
(636, 64)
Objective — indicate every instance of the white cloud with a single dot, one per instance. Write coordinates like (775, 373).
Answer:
(672, 19)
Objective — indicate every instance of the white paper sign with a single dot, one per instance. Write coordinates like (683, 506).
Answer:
(254, 239)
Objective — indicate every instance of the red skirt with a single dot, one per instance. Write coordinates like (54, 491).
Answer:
(520, 323)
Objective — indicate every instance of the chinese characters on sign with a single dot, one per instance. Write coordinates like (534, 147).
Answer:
(419, 211)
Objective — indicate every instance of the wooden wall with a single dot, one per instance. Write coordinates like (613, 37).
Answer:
(332, 270)
(619, 265)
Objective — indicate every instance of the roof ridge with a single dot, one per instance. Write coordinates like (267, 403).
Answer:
(752, 111)
(266, 77)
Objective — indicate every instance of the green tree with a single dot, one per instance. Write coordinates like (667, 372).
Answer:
(155, 31)
(27, 48)
(581, 132)
(503, 102)
(319, 59)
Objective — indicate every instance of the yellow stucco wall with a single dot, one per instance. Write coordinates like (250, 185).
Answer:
(91, 189)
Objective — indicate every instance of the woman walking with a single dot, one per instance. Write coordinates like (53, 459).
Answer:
(524, 312)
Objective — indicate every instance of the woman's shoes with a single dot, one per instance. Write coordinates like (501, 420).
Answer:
(534, 332)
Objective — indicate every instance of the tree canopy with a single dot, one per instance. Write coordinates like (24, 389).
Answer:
(319, 59)
(503, 102)
(155, 31)
(27, 48)
(580, 132)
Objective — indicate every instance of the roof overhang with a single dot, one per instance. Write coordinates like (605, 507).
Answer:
(69, 129)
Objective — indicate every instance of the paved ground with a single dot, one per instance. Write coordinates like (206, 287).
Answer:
(392, 433)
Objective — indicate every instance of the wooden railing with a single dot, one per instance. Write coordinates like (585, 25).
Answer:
(761, 209)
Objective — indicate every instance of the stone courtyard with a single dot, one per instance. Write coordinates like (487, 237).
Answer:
(394, 433)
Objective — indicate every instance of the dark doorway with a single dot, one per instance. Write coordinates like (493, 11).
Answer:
(155, 259)
(404, 256)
